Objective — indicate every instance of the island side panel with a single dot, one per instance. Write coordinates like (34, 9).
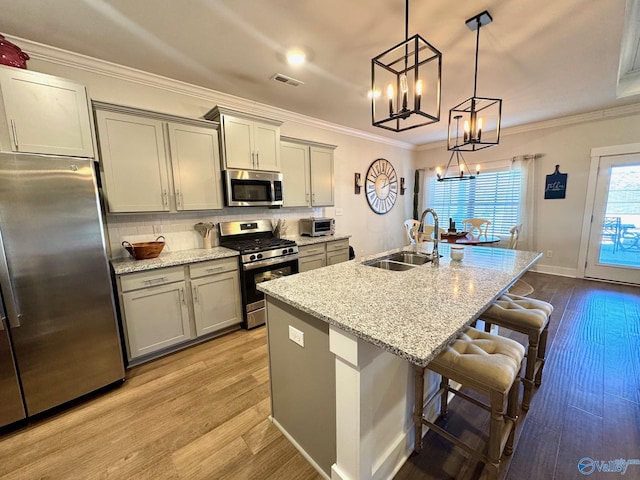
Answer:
(374, 413)
(303, 392)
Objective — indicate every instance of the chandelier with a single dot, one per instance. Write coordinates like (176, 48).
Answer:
(480, 116)
(460, 171)
(410, 75)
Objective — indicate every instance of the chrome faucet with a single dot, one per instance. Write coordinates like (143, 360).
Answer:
(436, 234)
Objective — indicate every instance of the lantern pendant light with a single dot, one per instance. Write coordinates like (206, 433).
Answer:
(460, 170)
(480, 116)
(405, 84)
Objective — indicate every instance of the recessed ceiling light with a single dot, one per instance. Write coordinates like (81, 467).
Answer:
(296, 57)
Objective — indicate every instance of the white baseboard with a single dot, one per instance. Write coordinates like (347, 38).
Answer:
(560, 271)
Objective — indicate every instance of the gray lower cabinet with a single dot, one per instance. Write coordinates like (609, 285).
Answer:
(155, 310)
(320, 255)
(311, 257)
(215, 291)
(166, 308)
(337, 251)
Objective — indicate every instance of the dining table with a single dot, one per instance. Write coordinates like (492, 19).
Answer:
(469, 239)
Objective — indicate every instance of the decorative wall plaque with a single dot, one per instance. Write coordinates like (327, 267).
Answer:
(556, 184)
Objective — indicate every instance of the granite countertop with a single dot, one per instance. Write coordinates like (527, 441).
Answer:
(413, 313)
(302, 240)
(171, 259)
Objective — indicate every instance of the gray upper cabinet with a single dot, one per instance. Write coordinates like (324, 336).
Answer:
(155, 163)
(43, 114)
(248, 142)
(308, 171)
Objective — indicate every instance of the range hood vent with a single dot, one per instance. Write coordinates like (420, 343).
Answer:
(288, 80)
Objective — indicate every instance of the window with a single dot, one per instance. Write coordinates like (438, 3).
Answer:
(492, 195)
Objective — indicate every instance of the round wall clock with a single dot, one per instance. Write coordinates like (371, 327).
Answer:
(381, 186)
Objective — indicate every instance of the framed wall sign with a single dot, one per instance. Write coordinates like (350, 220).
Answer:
(556, 184)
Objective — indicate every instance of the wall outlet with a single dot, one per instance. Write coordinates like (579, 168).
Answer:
(339, 212)
(549, 253)
(157, 229)
(296, 336)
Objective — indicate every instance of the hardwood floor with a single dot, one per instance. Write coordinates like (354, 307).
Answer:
(202, 413)
(589, 401)
(197, 414)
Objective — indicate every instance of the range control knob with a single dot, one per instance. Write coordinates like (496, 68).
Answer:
(284, 252)
(291, 250)
(259, 255)
(252, 257)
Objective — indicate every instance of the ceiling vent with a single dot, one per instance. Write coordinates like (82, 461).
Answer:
(278, 77)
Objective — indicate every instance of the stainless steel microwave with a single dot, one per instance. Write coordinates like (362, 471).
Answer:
(317, 227)
(249, 188)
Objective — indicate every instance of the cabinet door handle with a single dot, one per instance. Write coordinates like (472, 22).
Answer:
(14, 133)
(195, 293)
(165, 198)
(313, 196)
(214, 269)
(182, 296)
(178, 198)
(155, 281)
(257, 158)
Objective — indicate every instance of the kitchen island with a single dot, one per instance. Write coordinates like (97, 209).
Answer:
(342, 341)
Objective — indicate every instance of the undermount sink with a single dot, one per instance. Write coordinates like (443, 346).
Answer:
(399, 261)
(410, 257)
(389, 265)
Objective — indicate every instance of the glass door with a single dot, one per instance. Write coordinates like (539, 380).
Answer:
(614, 240)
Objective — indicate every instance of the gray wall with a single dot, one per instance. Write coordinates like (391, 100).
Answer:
(303, 381)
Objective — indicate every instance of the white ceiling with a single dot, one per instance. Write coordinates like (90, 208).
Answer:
(545, 59)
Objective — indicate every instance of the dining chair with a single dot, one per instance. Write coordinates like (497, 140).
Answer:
(411, 228)
(521, 287)
(611, 231)
(476, 226)
(427, 233)
(513, 239)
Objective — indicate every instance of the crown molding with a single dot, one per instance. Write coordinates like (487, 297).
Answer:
(79, 61)
(47, 53)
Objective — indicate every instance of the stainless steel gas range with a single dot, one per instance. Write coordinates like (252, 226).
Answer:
(262, 258)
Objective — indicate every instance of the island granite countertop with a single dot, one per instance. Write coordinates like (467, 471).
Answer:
(413, 314)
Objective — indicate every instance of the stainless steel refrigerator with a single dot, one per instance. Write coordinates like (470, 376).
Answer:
(59, 336)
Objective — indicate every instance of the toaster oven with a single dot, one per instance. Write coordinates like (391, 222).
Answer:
(317, 227)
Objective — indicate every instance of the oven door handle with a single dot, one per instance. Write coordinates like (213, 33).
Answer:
(269, 261)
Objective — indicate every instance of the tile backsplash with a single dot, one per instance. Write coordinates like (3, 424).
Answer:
(178, 231)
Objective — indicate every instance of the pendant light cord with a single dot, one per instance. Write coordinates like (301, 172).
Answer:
(406, 21)
(475, 77)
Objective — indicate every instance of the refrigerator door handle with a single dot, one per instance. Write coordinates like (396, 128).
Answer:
(7, 288)
(15, 134)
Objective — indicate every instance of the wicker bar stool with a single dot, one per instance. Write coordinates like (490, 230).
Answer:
(530, 317)
(488, 364)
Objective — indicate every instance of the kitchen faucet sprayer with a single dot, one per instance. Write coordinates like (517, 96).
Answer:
(436, 234)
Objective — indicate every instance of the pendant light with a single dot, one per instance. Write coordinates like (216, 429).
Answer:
(405, 84)
(459, 171)
(480, 116)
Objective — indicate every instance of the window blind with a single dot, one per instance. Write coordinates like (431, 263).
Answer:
(492, 195)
